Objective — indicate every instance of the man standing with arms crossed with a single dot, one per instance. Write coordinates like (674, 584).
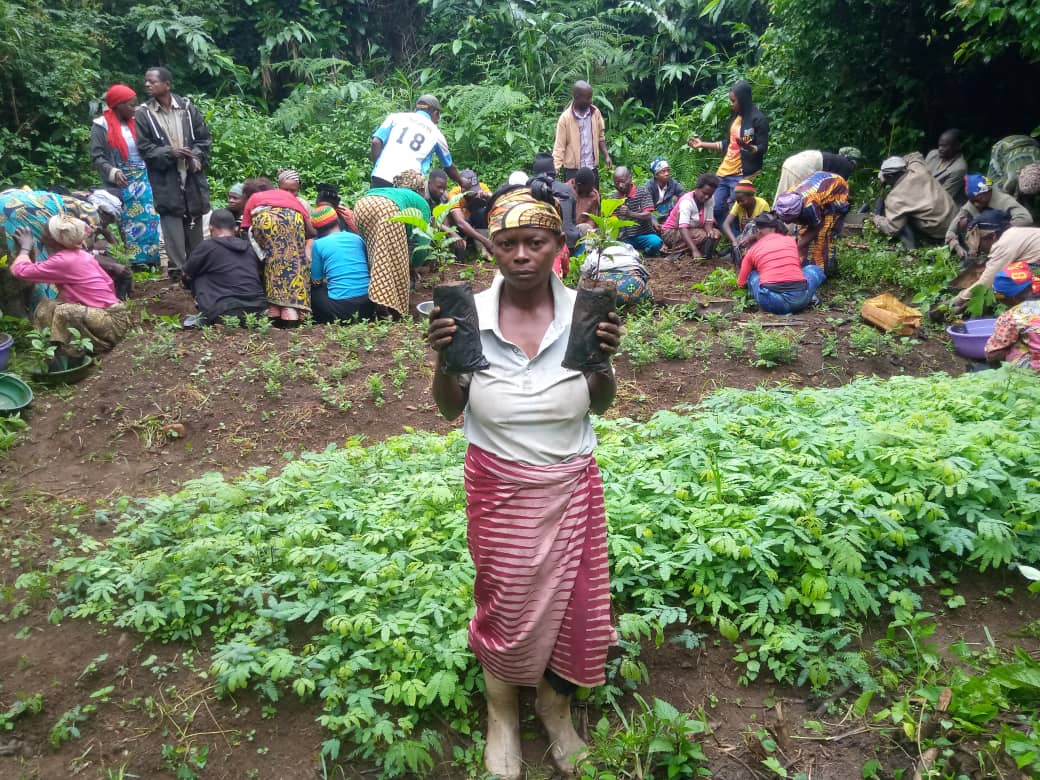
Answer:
(580, 135)
(174, 142)
(407, 141)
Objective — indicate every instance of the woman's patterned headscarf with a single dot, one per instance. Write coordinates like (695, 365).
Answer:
(657, 164)
(410, 180)
(288, 176)
(519, 208)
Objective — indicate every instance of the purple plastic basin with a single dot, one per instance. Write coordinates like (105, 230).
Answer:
(972, 341)
(6, 342)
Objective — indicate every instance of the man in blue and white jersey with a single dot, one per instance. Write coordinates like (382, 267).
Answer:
(407, 141)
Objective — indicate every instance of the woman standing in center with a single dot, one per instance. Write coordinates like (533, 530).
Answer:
(534, 499)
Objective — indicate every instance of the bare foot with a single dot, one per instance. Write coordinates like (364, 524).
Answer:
(554, 710)
(502, 756)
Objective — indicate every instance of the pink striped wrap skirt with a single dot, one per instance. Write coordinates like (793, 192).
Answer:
(538, 538)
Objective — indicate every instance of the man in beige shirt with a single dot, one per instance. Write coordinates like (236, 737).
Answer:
(580, 135)
(917, 206)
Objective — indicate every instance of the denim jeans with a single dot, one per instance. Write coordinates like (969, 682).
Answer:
(790, 302)
(724, 197)
(648, 243)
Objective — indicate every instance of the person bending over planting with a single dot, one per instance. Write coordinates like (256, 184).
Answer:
(746, 206)
(469, 215)
(817, 208)
(915, 206)
(773, 272)
(1002, 246)
(982, 196)
(86, 294)
(534, 499)
(223, 273)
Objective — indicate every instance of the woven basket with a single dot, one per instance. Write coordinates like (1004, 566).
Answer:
(891, 315)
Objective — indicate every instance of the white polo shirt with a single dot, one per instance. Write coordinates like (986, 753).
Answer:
(529, 411)
(410, 139)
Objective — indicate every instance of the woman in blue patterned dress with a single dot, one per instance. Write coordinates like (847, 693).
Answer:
(113, 147)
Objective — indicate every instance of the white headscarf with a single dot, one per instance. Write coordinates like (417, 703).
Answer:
(105, 201)
(68, 231)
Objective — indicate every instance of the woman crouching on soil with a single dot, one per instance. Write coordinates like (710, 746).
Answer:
(536, 519)
(86, 294)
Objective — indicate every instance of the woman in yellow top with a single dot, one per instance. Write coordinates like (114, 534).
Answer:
(745, 149)
(747, 205)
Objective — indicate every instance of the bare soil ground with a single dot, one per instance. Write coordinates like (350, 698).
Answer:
(168, 405)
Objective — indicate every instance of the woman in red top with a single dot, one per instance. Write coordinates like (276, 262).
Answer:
(772, 269)
(280, 230)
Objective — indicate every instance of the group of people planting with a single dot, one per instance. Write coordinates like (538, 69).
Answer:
(537, 529)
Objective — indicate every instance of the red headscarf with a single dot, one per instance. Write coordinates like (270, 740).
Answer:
(118, 93)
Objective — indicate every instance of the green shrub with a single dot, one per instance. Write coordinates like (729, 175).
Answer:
(773, 348)
(784, 520)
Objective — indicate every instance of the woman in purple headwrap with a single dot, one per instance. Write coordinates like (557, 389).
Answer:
(817, 208)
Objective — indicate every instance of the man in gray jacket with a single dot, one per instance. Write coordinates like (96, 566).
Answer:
(175, 144)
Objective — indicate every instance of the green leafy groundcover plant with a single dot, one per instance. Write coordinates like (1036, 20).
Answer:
(782, 518)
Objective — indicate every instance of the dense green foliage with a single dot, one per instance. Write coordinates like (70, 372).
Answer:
(829, 74)
(782, 519)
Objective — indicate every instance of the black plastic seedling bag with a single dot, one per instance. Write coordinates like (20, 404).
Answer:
(464, 354)
(596, 299)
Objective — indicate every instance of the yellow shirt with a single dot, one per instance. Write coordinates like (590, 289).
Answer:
(761, 207)
(731, 165)
(457, 190)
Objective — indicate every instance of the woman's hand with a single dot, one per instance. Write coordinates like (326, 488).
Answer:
(603, 385)
(448, 394)
(440, 332)
(609, 333)
(119, 179)
(695, 143)
(24, 238)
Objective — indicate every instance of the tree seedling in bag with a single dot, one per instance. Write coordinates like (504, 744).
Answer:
(596, 298)
(464, 354)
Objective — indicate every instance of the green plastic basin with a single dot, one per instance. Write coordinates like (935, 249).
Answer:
(15, 395)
